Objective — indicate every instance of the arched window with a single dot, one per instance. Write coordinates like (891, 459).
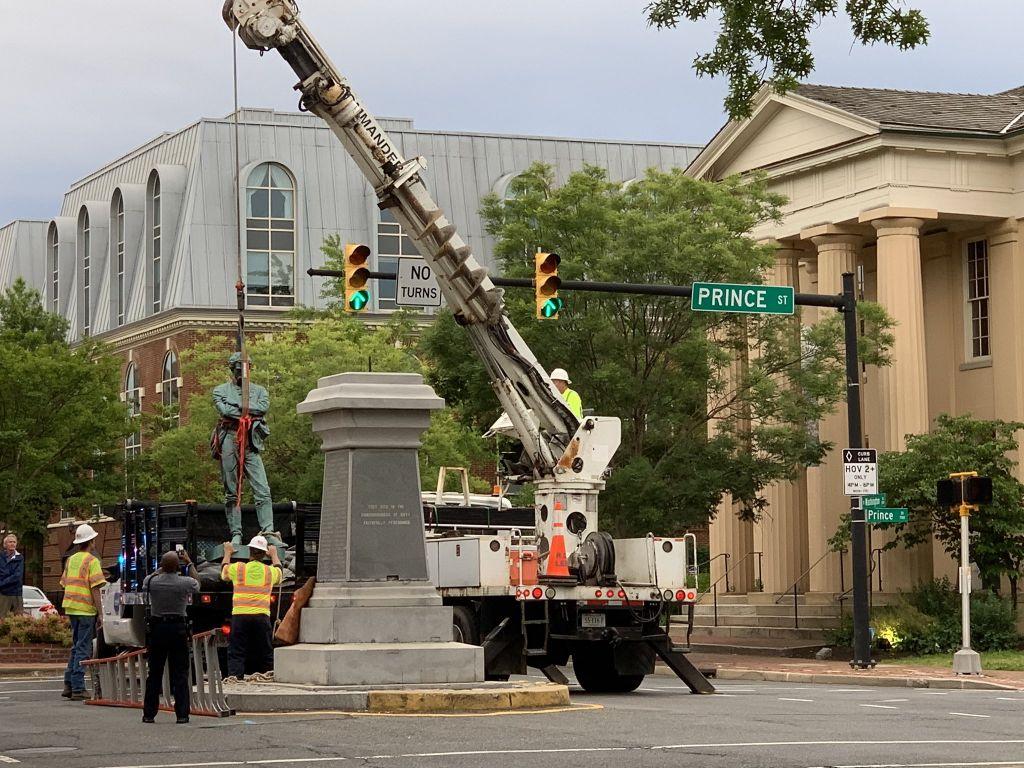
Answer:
(270, 236)
(392, 243)
(133, 400)
(119, 254)
(169, 390)
(155, 242)
(54, 271)
(83, 244)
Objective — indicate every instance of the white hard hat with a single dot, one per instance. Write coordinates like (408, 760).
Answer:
(84, 533)
(559, 374)
(258, 542)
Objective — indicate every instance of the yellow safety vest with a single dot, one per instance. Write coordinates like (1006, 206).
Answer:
(574, 401)
(81, 574)
(254, 583)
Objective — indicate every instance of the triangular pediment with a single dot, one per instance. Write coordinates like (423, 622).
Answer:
(781, 128)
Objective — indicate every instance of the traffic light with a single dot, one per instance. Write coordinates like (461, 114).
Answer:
(356, 276)
(545, 285)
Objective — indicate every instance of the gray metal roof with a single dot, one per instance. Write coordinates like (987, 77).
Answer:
(995, 114)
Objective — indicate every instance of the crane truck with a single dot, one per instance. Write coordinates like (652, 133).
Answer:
(565, 589)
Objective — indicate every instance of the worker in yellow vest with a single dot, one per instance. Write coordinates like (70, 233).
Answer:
(82, 580)
(572, 398)
(251, 643)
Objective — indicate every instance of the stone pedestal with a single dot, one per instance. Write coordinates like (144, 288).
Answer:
(374, 617)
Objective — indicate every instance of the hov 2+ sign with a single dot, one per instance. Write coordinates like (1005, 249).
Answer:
(416, 285)
(750, 299)
(860, 471)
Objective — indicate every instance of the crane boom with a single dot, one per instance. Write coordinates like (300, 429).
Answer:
(568, 459)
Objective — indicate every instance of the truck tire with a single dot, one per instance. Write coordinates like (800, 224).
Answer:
(464, 625)
(594, 665)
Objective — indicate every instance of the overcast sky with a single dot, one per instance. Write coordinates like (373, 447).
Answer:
(85, 81)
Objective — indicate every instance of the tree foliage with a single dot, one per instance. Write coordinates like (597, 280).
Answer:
(768, 41)
(667, 372)
(177, 464)
(961, 444)
(61, 419)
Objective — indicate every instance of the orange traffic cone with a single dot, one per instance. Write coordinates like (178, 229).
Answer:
(558, 566)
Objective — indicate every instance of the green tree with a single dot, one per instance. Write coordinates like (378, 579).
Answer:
(61, 419)
(666, 371)
(961, 444)
(177, 464)
(768, 41)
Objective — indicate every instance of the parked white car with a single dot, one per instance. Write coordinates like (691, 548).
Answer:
(36, 603)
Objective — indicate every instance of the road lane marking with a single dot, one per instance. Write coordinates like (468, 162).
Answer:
(891, 701)
(32, 690)
(6, 759)
(588, 750)
(927, 765)
(1009, 698)
(934, 693)
(968, 714)
(783, 698)
(878, 706)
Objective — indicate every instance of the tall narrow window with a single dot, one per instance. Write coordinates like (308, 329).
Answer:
(392, 242)
(977, 298)
(270, 236)
(169, 390)
(133, 401)
(54, 272)
(83, 239)
(119, 255)
(155, 235)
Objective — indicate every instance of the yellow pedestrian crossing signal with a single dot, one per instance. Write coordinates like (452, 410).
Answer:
(545, 285)
(357, 274)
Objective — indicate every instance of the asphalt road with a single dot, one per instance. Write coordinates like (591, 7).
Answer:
(745, 724)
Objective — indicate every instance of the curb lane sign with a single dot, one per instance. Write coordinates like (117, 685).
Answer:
(416, 284)
(860, 471)
(748, 299)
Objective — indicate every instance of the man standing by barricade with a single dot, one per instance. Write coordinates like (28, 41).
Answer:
(251, 643)
(167, 633)
(12, 576)
(82, 580)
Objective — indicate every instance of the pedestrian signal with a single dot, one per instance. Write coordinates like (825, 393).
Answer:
(545, 285)
(357, 274)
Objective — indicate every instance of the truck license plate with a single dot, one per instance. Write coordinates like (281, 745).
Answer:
(592, 620)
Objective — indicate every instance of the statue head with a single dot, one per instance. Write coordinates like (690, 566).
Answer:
(235, 364)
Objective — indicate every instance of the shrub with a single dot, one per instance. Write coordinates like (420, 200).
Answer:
(27, 629)
(928, 621)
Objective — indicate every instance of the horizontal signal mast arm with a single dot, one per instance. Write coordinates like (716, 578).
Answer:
(540, 417)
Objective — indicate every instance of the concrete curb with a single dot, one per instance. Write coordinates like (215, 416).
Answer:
(31, 670)
(457, 698)
(966, 684)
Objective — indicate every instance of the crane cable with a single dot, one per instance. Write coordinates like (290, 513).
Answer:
(242, 433)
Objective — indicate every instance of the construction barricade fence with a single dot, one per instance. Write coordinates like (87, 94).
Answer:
(120, 681)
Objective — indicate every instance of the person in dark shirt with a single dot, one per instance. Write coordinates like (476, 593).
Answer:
(167, 633)
(12, 576)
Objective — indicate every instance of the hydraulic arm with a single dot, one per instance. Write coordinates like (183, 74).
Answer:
(567, 458)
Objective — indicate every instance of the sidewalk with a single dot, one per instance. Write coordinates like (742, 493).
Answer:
(31, 670)
(837, 672)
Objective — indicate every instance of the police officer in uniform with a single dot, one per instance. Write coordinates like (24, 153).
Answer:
(167, 634)
(251, 643)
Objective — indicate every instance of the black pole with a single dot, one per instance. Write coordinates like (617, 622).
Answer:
(858, 526)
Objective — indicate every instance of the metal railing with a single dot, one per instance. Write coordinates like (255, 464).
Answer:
(713, 588)
(120, 681)
(796, 602)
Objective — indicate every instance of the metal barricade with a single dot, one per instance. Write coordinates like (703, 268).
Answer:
(120, 681)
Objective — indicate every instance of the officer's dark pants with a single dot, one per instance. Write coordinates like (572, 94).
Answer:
(167, 642)
(251, 646)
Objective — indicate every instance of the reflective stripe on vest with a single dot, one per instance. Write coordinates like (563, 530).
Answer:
(251, 597)
(77, 592)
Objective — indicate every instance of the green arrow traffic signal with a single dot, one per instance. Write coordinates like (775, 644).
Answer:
(358, 300)
(551, 307)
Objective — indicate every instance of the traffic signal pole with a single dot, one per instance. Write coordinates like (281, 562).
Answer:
(846, 302)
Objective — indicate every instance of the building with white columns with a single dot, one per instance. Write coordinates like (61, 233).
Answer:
(921, 195)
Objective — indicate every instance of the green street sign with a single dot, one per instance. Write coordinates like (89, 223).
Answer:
(749, 299)
(887, 514)
(873, 500)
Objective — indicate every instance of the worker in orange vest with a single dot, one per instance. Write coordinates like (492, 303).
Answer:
(251, 644)
(82, 580)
